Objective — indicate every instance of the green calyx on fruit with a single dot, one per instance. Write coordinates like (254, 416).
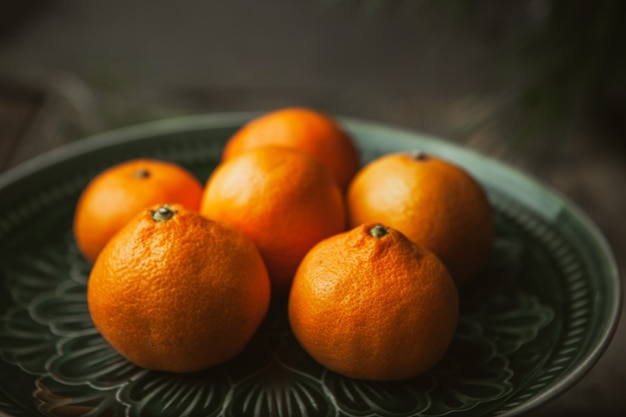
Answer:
(378, 231)
(419, 155)
(163, 213)
(141, 173)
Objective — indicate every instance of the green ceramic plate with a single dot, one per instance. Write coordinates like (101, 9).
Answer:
(540, 316)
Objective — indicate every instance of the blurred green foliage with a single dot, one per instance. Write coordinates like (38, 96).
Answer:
(562, 65)
(576, 59)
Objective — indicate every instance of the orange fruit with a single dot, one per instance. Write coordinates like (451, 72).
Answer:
(283, 199)
(371, 304)
(174, 291)
(435, 203)
(308, 130)
(117, 194)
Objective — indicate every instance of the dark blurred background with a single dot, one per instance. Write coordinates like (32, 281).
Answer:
(538, 84)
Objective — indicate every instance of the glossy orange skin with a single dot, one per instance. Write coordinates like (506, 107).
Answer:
(283, 199)
(433, 202)
(117, 194)
(309, 130)
(178, 295)
(374, 308)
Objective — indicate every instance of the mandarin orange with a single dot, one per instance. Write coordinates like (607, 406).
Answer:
(434, 202)
(309, 130)
(283, 199)
(177, 292)
(371, 304)
(117, 194)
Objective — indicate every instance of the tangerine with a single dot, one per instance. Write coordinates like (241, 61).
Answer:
(117, 194)
(177, 292)
(308, 130)
(371, 304)
(432, 201)
(283, 199)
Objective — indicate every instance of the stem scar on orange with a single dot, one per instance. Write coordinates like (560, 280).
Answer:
(371, 304)
(305, 129)
(434, 202)
(174, 291)
(283, 199)
(117, 194)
